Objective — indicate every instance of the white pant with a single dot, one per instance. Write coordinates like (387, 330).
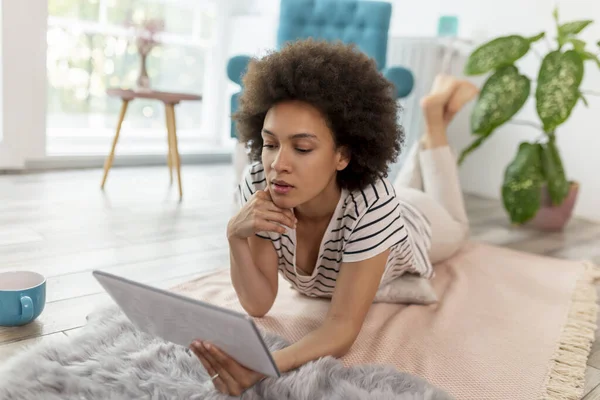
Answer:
(429, 182)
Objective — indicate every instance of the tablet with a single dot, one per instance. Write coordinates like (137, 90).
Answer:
(181, 320)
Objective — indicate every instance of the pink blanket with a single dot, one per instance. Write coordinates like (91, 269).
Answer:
(509, 325)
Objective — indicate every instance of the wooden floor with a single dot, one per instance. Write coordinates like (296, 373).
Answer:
(62, 225)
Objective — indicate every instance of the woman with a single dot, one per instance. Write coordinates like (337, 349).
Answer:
(320, 122)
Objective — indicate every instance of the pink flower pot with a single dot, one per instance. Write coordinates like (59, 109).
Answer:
(555, 218)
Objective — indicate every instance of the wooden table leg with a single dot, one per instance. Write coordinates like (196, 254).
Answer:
(170, 112)
(169, 154)
(172, 150)
(111, 156)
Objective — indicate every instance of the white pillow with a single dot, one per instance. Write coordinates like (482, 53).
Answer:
(407, 289)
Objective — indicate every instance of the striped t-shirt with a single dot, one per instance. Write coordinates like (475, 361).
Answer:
(365, 223)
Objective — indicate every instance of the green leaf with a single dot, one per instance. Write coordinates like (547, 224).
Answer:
(523, 178)
(578, 45)
(586, 55)
(555, 14)
(501, 97)
(583, 99)
(496, 53)
(537, 37)
(562, 40)
(558, 87)
(470, 148)
(554, 173)
(573, 28)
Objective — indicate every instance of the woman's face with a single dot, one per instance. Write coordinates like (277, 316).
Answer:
(299, 153)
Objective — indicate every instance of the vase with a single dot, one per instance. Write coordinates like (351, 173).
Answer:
(551, 217)
(143, 80)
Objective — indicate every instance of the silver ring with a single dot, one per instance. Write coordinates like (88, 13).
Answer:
(215, 376)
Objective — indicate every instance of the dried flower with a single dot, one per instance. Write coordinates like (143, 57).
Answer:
(146, 34)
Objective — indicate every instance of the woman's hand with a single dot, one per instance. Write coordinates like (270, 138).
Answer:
(229, 377)
(260, 214)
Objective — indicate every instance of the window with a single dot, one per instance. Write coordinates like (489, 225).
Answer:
(91, 48)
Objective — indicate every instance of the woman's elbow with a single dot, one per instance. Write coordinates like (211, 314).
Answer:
(342, 350)
(342, 335)
(344, 347)
(257, 311)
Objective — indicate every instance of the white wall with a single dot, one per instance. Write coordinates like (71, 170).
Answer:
(23, 87)
(578, 138)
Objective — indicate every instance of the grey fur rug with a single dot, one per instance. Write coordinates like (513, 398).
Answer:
(112, 360)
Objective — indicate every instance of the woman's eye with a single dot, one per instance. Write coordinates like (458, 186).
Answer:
(299, 150)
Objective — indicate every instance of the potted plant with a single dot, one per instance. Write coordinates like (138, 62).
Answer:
(535, 190)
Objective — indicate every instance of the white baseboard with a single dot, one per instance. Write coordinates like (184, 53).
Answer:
(91, 161)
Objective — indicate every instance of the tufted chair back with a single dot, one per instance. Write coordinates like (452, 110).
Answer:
(364, 23)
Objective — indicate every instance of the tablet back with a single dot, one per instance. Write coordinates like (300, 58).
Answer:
(181, 320)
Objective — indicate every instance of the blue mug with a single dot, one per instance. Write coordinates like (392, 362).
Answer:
(22, 297)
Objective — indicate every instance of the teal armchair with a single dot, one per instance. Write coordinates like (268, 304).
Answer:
(363, 23)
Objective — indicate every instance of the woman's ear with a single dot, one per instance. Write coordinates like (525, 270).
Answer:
(343, 158)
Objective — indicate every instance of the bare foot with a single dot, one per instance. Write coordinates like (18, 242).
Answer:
(465, 92)
(447, 97)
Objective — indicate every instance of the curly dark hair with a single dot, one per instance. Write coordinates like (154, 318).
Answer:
(345, 85)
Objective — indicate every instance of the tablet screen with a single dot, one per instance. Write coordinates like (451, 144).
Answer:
(181, 320)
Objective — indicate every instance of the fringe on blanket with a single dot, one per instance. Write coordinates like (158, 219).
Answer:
(566, 372)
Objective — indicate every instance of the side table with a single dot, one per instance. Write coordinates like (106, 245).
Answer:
(170, 100)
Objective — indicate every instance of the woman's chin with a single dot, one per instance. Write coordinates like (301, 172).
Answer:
(283, 201)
